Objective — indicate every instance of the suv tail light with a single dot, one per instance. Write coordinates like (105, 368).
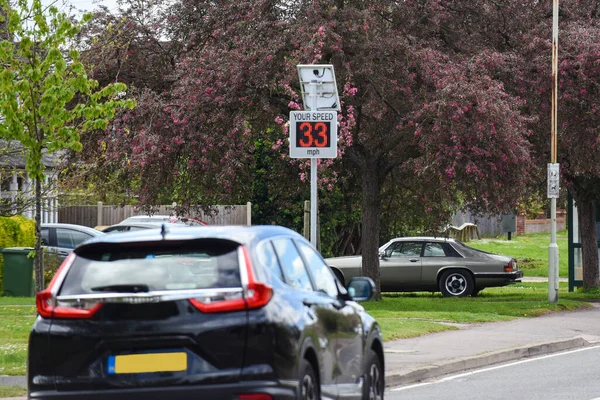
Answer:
(255, 295)
(49, 307)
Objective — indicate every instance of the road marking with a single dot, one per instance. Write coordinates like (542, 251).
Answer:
(450, 378)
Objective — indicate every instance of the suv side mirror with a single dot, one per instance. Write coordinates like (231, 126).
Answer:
(361, 288)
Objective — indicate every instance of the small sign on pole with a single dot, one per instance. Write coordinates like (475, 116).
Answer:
(553, 180)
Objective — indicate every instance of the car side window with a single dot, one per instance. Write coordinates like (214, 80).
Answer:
(268, 258)
(394, 250)
(70, 239)
(45, 232)
(292, 264)
(322, 275)
(64, 238)
(409, 249)
(450, 251)
(434, 250)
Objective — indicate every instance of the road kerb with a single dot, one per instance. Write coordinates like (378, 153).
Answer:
(393, 378)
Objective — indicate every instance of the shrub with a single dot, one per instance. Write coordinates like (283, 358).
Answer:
(52, 262)
(16, 231)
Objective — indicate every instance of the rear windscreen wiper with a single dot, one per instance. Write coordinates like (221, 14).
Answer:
(127, 288)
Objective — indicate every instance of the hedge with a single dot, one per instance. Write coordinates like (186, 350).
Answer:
(16, 231)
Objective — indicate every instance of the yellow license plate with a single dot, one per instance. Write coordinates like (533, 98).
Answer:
(144, 363)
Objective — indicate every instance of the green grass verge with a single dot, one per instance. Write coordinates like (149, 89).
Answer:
(12, 391)
(404, 315)
(20, 301)
(531, 251)
(398, 328)
(17, 315)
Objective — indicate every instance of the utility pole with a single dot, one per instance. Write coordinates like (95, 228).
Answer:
(553, 167)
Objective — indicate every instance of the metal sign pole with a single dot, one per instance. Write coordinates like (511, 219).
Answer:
(313, 176)
(553, 247)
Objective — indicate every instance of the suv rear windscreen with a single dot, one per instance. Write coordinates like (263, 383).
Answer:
(155, 266)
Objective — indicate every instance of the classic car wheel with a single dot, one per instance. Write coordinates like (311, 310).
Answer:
(374, 385)
(457, 283)
(309, 385)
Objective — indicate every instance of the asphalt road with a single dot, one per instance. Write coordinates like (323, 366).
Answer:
(562, 376)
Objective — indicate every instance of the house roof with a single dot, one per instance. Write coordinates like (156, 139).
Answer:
(12, 155)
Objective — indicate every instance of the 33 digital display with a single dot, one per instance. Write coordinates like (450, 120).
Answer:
(313, 134)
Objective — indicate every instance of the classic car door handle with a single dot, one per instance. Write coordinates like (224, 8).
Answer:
(414, 259)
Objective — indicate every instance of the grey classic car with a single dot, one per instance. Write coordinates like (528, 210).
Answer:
(412, 264)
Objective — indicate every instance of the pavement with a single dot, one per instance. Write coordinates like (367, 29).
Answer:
(478, 345)
(474, 346)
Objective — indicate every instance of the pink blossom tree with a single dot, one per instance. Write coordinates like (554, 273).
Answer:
(420, 110)
(518, 36)
(420, 117)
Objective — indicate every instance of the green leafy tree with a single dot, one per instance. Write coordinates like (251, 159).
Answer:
(46, 98)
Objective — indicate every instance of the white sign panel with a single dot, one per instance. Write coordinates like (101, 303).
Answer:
(313, 134)
(553, 181)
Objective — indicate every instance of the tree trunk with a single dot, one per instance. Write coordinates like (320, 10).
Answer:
(371, 204)
(589, 243)
(39, 255)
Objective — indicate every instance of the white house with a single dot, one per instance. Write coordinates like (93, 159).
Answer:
(17, 190)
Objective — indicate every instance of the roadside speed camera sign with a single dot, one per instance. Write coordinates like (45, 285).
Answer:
(313, 134)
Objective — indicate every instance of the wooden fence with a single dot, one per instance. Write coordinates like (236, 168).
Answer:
(105, 215)
(492, 225)
(486, 225)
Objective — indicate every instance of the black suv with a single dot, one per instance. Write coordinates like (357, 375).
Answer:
(247, 313)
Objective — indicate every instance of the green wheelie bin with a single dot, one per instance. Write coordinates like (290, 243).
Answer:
(18, 272)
